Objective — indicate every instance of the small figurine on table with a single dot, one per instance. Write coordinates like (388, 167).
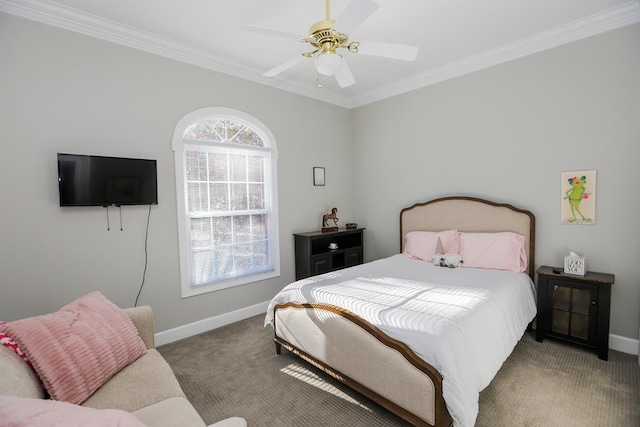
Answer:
(330, 216)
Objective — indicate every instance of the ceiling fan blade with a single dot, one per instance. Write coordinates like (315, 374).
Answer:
(284, 66)
(388, 50)
(356, 12)
(272, 32)
(344, 77)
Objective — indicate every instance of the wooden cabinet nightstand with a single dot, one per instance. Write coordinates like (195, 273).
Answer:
(575, 308)
(313, 255)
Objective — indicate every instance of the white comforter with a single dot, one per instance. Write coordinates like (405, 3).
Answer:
(465, 321)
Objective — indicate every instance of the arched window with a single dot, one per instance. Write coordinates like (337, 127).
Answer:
(226, 185)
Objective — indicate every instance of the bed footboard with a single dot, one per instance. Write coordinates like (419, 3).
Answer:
(364, 358)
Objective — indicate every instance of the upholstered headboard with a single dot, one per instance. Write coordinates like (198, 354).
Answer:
(470, 214)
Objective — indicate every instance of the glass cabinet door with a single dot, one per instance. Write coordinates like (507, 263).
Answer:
(572, 307)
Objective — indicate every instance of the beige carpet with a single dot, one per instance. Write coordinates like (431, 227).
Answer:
(234, 371)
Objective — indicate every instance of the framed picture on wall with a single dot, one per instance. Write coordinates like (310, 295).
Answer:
(318, 176)
(578, 198)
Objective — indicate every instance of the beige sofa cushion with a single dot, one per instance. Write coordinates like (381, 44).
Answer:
(146, 381)
(27, 412)
(231, 422)
(172, 412)
(178, 411)
(17, 378)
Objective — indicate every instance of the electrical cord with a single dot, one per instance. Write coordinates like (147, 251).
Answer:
(146, 257)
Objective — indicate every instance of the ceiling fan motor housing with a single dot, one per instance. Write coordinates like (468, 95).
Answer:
(323, 37)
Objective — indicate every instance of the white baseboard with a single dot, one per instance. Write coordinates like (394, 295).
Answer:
(204, 325)
(623, 344)
(616, 342)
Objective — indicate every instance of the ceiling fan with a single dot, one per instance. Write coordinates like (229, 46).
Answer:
(326, 40)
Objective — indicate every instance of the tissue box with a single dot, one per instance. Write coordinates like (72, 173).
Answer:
(575, 265)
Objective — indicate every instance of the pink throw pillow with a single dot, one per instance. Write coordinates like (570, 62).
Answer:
(422, 244)
(25, 412)
(78, 348)
(8, 342)
(499, 251)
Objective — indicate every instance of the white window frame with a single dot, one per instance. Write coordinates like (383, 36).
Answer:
(271, 196)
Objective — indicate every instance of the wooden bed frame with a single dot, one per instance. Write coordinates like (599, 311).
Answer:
(364, 358)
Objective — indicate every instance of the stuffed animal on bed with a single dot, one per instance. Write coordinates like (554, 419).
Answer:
(448, 260)
(442, 259)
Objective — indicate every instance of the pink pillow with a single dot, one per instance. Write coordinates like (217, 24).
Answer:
(25, 412)
(422, 244)
(78, 348)
(500, 251)
(8, 342)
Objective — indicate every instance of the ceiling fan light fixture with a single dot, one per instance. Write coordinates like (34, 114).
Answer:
(328, 63)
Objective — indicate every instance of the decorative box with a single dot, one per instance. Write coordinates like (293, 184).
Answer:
(574, 264)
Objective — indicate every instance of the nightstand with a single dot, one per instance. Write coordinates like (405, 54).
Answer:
(575, 308)
(314, 256)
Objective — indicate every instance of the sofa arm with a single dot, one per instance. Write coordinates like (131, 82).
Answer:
(142, 318)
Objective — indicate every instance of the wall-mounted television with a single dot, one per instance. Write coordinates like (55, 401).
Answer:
(105, 181)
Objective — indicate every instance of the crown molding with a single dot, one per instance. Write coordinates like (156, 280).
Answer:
(611, 19)
(91, 25)
(94, 26)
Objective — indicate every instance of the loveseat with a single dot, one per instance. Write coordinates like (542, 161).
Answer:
(146, 388)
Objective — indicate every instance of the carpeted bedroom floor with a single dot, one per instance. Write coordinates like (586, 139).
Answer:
(234, 371)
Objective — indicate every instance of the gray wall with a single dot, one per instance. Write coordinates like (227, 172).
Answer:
(64, 92)
(505, 134)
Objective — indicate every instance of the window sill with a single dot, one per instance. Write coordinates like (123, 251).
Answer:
(188, 291)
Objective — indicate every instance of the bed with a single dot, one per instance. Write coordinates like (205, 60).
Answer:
(418, 339)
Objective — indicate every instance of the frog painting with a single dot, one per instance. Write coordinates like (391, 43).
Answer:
(578, 197)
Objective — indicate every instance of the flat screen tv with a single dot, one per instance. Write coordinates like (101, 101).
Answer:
(105, 181)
